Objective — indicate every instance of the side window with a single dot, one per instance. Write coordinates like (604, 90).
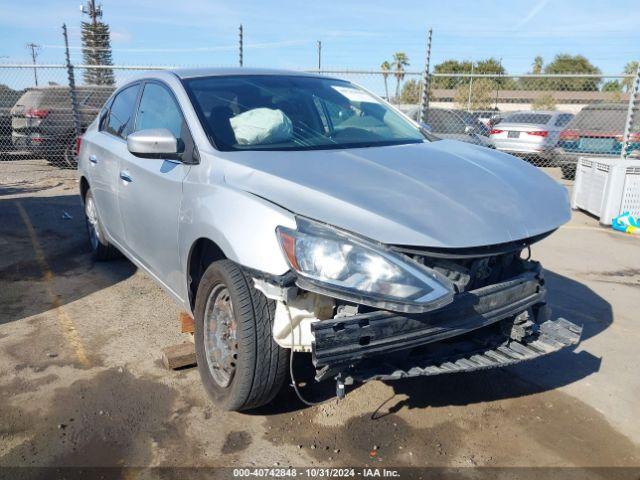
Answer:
(120, 119)
(563, 119)
(437, 121)
(158, 109)
(450, 123)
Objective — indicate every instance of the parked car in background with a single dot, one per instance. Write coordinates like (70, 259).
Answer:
(455, 125)
(8, 98)
(42, 120)
(292, 212)
(489, 118)
(597, 130)
(532, 135)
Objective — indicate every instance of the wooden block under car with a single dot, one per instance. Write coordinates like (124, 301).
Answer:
(187, 323)
(178, 356)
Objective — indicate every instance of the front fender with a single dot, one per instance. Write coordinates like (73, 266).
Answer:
(241, 224)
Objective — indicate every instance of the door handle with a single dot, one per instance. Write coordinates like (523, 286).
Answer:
(93, 159)
(124, 175)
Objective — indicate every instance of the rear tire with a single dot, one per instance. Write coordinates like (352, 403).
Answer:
(568, 171)
(240, 364)
(69, 154)
(101, 249)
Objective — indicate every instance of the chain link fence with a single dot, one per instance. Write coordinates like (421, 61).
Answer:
(548, 120)
(38, 119)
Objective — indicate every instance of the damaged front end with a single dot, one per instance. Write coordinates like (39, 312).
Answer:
(490, 311)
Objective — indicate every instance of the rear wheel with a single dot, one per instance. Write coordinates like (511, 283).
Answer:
(240, 365)
(69, 154)
(100, 246)
(568, 171)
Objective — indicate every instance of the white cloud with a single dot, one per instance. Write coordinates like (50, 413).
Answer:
(537, 8)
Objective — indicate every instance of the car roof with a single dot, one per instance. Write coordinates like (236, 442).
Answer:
(49, 88)
(534, 112)
(185, 73)
(606, 106)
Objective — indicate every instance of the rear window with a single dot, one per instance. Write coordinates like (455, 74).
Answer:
(610, 118)
(46, 98)
(528, 118)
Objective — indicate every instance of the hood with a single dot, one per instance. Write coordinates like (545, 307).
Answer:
(438, 194)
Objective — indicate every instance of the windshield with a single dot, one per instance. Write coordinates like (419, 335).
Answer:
(528, 118)
(601, 118)
(278, 112)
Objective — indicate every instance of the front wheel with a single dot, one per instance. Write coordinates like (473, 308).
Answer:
(240, 364)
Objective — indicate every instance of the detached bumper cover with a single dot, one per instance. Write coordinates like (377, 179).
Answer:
(377, 344)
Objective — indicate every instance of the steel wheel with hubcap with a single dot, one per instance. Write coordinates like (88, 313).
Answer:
(240, 364)
(220, 336)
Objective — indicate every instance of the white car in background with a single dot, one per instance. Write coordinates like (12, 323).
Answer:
(532, 135)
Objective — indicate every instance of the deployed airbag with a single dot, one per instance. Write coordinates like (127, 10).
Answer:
(260, 126)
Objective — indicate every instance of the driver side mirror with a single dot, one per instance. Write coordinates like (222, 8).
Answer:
(153, 143)
(469, 129)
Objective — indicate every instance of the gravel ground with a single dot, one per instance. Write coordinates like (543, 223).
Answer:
(81, 383)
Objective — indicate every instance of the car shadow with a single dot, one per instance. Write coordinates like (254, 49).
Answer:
(568, 298)
(43, 241)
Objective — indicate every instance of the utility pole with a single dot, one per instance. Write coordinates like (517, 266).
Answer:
(634, 104)
(35, 49)
(319, 55)
(72, 83)
(426, 81)
(241, 46)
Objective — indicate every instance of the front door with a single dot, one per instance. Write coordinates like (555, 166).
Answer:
(106, 147)
(150, 191)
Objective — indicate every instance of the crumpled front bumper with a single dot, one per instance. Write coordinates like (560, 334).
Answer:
(552, 336)
(472, 333)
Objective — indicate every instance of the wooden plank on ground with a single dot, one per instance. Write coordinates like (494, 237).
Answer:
(178, 356)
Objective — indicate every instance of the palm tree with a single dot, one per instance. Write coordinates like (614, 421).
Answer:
(400, 60)
(386, 68)
(537, 65)
(630, 69)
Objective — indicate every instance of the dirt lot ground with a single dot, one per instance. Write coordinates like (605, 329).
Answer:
(81, 382)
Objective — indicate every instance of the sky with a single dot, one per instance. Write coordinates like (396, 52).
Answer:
(357, 34)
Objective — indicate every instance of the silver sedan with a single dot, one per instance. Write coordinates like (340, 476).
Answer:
(530, 134)
(290, 212)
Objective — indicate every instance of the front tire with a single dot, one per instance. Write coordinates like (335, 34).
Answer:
(101, 249)
(240, 364)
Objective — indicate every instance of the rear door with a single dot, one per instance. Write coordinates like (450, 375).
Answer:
(105, 150)
(150, 189)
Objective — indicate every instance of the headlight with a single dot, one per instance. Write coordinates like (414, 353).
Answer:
(332, 262)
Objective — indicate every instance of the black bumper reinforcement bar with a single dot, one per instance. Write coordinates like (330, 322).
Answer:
(351, 339)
